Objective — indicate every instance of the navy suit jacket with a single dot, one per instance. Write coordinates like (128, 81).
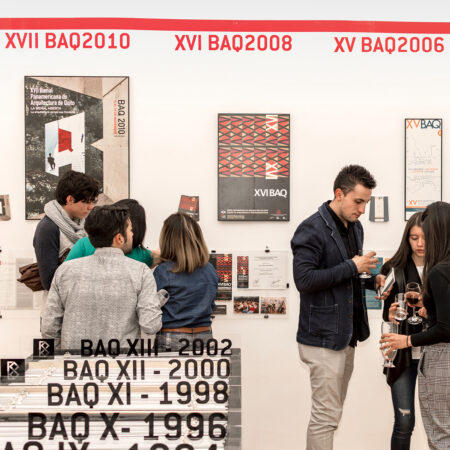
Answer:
(323, 275)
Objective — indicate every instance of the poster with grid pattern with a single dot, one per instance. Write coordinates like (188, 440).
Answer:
(253, 167)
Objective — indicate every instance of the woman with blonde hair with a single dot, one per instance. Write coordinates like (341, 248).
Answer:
(190, 280)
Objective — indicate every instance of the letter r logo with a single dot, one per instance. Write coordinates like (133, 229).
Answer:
(43, 348)
(13, 370)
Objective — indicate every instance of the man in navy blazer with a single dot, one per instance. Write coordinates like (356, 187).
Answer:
(328, 259)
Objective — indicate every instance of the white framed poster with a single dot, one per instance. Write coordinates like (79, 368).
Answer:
(75, 123)
(423, 164)
(262, 270)
(267, 271)
(254, 281)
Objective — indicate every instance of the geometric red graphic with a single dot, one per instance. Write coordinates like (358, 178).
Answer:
(259, 131)
(189, 203)
(283, 163)
(259, 163)
(248, 159)
(64, 140)
(254, 145)
(224, 162)
(248, 127)
(224, 264)
(225, 129)
(283, 131)
(236, 130)
(242, 265)
(236, 162)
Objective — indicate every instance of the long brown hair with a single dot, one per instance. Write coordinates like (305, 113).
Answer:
(182, 242)
(400, 257)
(436, 228)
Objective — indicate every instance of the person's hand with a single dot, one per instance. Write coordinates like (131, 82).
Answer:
(379, 283)
(392, 310)
(422, 312)
(393, 341)
(366, 262)
(156, 255)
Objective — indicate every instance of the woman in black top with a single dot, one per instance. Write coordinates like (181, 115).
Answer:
(408, 264)
(434, 365)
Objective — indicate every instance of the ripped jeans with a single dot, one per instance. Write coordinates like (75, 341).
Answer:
(403, 400)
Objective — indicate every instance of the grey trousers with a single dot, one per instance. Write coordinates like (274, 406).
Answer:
(434, 394)
(330, 373)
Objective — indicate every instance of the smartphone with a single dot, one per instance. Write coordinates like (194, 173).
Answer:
(388, 282)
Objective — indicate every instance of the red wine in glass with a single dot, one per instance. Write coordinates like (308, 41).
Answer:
(413, 298)
(412, 294)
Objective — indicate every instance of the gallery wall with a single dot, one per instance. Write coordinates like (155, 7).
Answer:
(344, 108)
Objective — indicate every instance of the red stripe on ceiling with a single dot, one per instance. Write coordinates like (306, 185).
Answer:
(282, 26)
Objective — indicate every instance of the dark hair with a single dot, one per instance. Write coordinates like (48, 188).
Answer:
(350, 176)
(436, 228)
(79, 185)
(104, 222)
(182, 242)
(404, 250)
(137, 217)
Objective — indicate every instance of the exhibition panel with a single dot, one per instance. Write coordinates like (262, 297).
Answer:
(251, 109)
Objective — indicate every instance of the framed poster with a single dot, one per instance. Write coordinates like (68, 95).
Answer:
(273, 305)
(75, 123)
(223, 263)
(423, 164)
(262, 270)
(5, 209)
(246, 305)
(190, 205)
(253, 167)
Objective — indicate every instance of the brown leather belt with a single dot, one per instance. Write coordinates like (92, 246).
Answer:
(186, 330)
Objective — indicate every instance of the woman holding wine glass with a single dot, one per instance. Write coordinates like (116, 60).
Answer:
(407, 264)
(434, 365)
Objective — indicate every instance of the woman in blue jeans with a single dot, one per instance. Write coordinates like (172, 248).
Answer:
(190, 280)
(408, 264)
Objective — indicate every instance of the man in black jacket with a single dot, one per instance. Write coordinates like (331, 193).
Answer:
(63, 223)
(333, 315)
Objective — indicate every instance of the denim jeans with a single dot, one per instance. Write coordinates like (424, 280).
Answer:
(172, 342)
(403, 400)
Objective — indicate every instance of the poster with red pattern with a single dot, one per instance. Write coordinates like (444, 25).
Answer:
(242, 271)
(253, 167)
(223, 263)
(190, 205)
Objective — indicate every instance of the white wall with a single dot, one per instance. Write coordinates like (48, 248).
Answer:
(345, 108)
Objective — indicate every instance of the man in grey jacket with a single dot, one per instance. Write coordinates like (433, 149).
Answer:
(106, 295)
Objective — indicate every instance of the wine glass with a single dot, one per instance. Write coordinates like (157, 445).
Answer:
(401, 312)
(389, 354)
(412, 295)
(363, 274)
